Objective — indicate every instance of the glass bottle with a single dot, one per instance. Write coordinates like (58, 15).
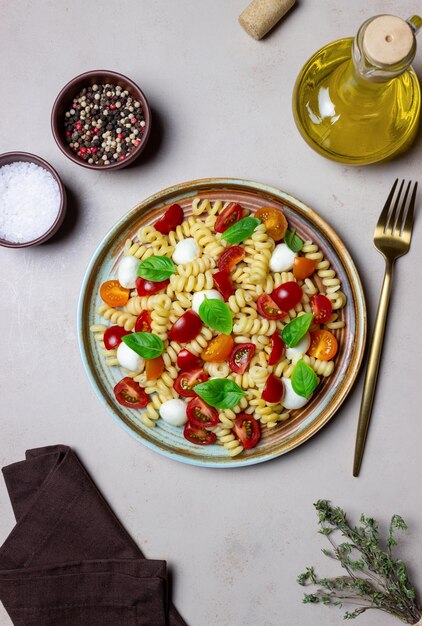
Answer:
(358, 100)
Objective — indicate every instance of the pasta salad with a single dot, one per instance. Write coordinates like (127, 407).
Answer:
(223, 322)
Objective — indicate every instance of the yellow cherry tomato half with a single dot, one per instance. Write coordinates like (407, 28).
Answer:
(218, 349)
(323, 345)
(303, 267)
(113, 293)
(274, 220)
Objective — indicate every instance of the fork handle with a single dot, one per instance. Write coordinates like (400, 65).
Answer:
(372, 368)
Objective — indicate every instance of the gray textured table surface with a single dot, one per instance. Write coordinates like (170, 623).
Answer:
(235, 539)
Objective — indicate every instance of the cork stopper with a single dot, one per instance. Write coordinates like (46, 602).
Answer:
(260, 16)
(387, 40)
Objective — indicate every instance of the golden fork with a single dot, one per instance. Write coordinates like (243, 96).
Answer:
(392, 238)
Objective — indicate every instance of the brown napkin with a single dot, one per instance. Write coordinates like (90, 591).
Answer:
(68, 560)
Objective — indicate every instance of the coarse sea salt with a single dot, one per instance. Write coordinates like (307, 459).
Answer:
(29, 201)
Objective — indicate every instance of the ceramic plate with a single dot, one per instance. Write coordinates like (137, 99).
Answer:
(331, 392)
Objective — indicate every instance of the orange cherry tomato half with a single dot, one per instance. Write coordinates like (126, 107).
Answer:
(274, 220)
(323, 345)
(113, 293)
(154, 368)
(303, 267)
(218, 349)
(268, 308)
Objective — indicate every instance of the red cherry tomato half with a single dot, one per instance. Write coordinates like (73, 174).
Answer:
(268, 308)
(223, 283)
(321, 308)
(148, 287)
(129, 393)
(186, 328)
(229, 216)
(188, 361)
(241, 356)
(248, 430)
(273, 390)
(186, 381)
(170, 220)
(200, 436)
(201, 415)
(231, 257)
(113, 336)
(287, 295)
(278, 349)
(143, 322)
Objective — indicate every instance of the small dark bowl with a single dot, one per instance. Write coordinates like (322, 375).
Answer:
(11, 157)
(64, 101)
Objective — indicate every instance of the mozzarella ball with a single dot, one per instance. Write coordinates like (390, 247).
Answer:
(294, 354)
(127, 272)
(291, 399)
(185, 251)
(129, 359)
(174, 412)
(199, 297)
(282, 258)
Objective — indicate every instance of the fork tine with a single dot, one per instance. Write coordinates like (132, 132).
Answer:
(382, 221)
(407, 229)
(397, 226)
(393, 213)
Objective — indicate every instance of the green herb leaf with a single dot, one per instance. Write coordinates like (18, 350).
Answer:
(147, 345)
(293, 241)
(241, 230)
(221, 393)
(217, 315)
(156, 268)
(304, 379)
(296, 329)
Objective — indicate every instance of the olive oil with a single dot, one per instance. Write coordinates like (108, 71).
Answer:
(354, 110)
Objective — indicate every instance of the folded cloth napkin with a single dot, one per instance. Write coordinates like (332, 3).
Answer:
(69, 561)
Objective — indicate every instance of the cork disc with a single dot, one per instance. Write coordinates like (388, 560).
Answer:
(387, 40)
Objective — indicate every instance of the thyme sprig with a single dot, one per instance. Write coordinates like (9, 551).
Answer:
(375, 578)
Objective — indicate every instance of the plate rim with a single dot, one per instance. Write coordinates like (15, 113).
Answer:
(198, 185)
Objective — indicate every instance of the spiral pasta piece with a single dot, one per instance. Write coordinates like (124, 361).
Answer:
(246, 324)
(200, 342)
(198, 266)
(192, 283)
(181, 232)
(327, 274)
(160, 316)
(207, 239)
(121, 318)
(322, 368)
(138, 250)
(239, 300)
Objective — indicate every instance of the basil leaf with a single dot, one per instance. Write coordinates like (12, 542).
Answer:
(296, 329)
(156, 268)
(221, 393)
(304, 380)
(217, 315)
(147, 345)
(292, 240)
(241, 230)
